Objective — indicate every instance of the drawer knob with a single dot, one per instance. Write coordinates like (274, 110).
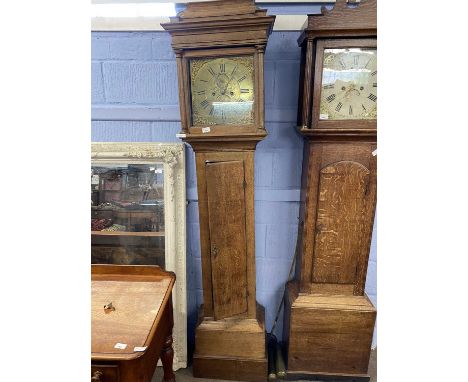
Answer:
(96, 376)
(109, 307)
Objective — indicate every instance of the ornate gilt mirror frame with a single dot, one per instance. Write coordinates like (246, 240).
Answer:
(172, 155)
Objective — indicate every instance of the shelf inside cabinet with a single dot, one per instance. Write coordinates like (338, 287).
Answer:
(126, 233)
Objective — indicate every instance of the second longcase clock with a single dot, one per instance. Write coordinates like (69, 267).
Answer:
(329, 320)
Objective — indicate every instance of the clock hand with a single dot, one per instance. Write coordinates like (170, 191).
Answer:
(230, 80)
(227, 84)
(348, 87)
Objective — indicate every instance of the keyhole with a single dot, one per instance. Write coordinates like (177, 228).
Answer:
(214, 251)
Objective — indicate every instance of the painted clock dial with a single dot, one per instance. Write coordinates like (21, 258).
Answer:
(222, 91)
(349, 84)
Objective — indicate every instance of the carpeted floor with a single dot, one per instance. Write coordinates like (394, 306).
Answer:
(185, 375)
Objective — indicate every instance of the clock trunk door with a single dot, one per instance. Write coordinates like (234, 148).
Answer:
(342, 197)
(226, 210)
(341, 222)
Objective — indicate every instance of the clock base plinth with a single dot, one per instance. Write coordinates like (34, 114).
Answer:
(327, 335)
(237, 369)
(232, 348)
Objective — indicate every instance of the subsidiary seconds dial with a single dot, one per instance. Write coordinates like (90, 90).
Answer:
(349, 84)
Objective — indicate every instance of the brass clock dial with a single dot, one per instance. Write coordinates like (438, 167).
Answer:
(349, 84)
(222, 91)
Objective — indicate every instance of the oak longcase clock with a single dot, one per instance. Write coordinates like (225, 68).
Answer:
(329, 320)
(219, 49)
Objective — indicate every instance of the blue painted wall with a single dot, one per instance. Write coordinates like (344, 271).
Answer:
(135, 99)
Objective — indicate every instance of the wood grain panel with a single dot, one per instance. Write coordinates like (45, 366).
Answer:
(137, 293)
(226, 210)
(136, 306)
(219, 8)
(363, 257)
(342, 17)
(328, 334)
(332, 340)
(232, 337)
(341, 217)
(230, 368)
(200, 159)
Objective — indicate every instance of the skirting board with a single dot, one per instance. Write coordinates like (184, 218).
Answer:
(294, 376)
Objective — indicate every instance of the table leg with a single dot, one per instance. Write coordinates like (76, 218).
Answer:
(167, 356)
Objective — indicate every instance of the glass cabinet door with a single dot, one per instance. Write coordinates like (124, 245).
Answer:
(127, 214)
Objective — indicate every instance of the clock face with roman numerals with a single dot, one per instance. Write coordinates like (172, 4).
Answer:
(349, 84)
(222, 91)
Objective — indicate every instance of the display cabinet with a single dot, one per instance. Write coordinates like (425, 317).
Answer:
(138, 215)
(127, 214)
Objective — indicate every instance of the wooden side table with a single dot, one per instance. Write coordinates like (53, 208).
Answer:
(131, 323)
